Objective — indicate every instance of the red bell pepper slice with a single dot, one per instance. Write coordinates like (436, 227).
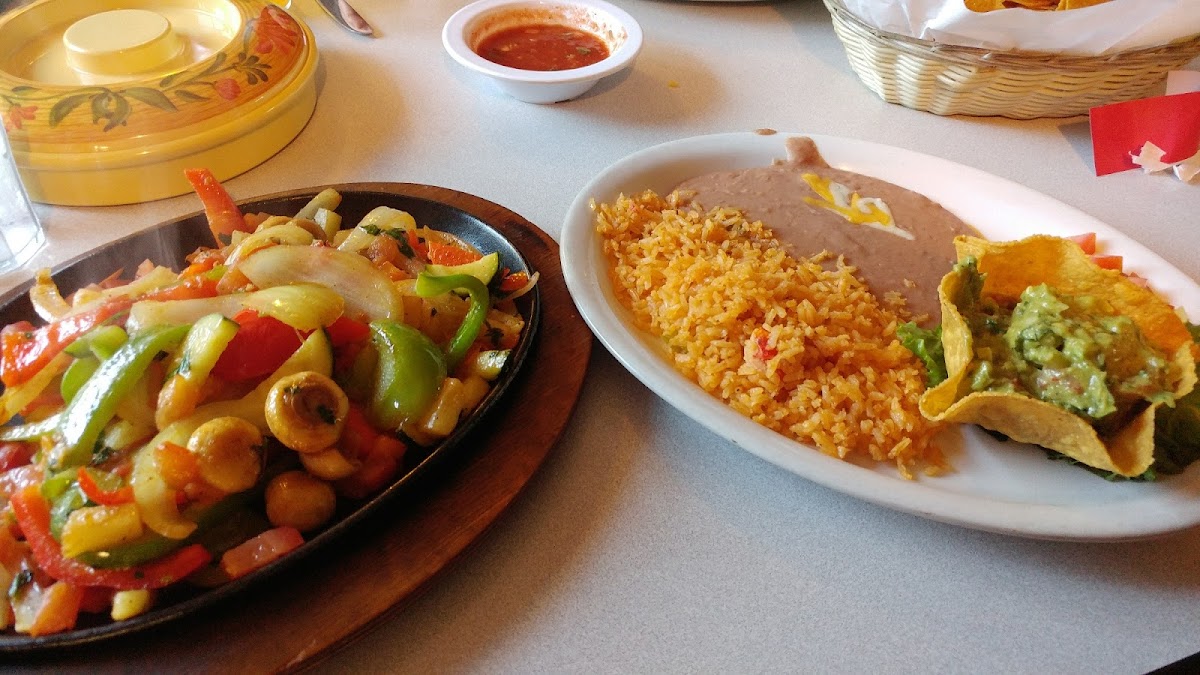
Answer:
(33, 516)
(260, 346)
(224, 216)
(24, 350)
(99, 495)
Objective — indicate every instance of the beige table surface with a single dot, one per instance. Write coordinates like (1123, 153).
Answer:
(646, 543)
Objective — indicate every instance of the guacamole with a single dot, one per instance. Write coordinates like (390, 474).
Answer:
(1076, 352)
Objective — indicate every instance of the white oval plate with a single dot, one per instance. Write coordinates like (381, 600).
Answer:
(1002, 487)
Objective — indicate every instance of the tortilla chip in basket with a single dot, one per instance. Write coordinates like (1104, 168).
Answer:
(1042, 5)
(1010, 268)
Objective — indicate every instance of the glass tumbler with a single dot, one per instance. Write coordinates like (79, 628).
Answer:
(20, 232)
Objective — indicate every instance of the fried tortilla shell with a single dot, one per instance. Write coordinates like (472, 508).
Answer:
(1010, 268)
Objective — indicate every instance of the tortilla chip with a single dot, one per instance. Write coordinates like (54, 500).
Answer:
(1040, 5)
(1076, 4)
(1011, 267)
(984, 5)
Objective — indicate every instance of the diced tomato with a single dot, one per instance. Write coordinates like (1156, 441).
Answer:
(202, 260)
(394, 273)
(379, 466)
(513, 282)
(16, 453)
(763, 350)
(358, 435)
(449, 254)
(346, 331)
(96, 600)
(389, 446)
(115, 496)
(201, 264)
(261, 345)
(189, 288)
(260, 550)
(376, 470)
(58, 610)
(177, 465)
(1109, 262)
(415, 243)
(224, 216)
(181, 472)
(1086, 241)
(17, 479)
(253, 220)
(12, 551)
(33, 516)
(348, 338)
(1138, 279)
(24, 350)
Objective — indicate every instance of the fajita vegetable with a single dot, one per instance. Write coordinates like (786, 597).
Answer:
(197, 425)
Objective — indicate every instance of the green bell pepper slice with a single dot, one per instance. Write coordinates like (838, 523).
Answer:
(57, 483)
(30, 431)
(408, 374)
(152, 545)
(68, 500)
(481, 301)
(95, 404)
(102, 342)
(77, 375)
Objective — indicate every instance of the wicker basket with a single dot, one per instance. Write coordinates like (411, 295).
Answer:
(953, 80)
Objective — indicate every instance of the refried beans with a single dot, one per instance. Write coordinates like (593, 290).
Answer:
(912, 265)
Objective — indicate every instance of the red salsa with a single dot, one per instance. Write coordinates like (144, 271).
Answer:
(543, 47)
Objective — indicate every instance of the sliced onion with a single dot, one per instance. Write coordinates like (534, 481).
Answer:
(533, 278)
(148, 313)
(381, 217)
(45, 297)
(155, 499)
(367, 291)
(159, 277)
(286, 233)
(302, 306)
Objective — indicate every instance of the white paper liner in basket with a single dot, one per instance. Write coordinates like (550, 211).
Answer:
(949, 79)
(1108, 28)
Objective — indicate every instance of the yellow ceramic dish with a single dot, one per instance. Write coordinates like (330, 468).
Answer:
(107, 102)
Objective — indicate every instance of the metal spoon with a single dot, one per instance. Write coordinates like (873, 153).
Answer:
(343, 13)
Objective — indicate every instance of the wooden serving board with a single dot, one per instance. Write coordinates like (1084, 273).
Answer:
(337, 594)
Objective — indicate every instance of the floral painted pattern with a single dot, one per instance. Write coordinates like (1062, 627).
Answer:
(269, 42)
(17, 114)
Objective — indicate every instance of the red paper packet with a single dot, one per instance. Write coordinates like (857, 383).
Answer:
(1120, 130)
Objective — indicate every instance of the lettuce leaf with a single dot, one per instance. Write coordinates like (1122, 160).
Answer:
(926, 344)
(1177, 429)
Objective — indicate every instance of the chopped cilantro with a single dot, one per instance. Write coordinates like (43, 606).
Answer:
(19, 582)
